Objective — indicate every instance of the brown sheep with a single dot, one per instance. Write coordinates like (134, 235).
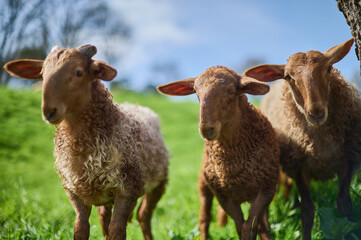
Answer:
(241, 153)
(106, 154)
(317, 115)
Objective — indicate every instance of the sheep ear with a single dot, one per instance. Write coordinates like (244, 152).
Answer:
(27, 69)
(178, 88)
(266, 72)
(338, 52)
(103, 71)
(252, 86)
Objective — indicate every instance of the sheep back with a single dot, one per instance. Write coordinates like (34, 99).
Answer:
(114, 146)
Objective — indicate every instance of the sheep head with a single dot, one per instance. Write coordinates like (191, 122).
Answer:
(67, 78)
(218, 90)
(308, 75)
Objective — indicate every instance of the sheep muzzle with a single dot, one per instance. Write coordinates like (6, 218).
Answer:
(209, 132)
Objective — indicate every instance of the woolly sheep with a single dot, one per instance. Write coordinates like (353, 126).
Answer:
(106, 154)
(317, 115)
(241, 152)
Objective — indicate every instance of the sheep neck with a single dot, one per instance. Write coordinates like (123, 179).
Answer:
(234, 133)
(95, 120)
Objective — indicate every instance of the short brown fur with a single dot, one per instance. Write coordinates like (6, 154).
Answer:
(106, 153)
(241, 153)
(317, 115)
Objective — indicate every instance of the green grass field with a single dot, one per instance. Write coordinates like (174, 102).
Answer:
(33, 204)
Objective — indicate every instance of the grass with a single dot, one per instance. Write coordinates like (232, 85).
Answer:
(33, 204)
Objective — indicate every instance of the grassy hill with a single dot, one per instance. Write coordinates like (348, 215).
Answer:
(33, 204)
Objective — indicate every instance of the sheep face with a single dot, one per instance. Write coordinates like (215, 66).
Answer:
(308, 76)
(218, 90)
(66, 85)
(67, 78)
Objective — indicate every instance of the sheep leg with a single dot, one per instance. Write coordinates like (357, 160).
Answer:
(286, 183)
(263, 227)
(221, 216)
(146, 208)
(206, 198)
(258, 207)
(307, 207)
(82, 211)
(123, 208)
(234, 210)
(105, 214)
(344, 204)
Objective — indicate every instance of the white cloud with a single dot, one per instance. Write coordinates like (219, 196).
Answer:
(201, 33)
(154, 21)
(155, 30)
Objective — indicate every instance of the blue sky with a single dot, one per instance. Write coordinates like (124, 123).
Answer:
(196, 34)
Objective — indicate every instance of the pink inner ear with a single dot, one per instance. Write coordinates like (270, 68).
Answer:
(178, 89)
(264, 74)
(272, 75)
(29, 69)
(24, 66)
(34, 72)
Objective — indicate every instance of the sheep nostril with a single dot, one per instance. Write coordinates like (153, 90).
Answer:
(50, 114)
(210, 132)
(317, 115)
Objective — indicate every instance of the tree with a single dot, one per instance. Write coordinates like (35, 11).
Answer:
(351, 10)
(75, 19)
(40, 24)
(86, 21)
(16, 18)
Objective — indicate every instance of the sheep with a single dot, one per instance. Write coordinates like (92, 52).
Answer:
(107, 154)
(317, 115)
(241, 152)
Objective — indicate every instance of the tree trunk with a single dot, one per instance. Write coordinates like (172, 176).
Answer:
(351, 9)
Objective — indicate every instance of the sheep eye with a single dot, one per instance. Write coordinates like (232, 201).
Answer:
(287, 77)
(79, 73)
(329, 69)
(230, 91)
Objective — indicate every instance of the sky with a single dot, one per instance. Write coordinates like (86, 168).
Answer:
(196, 34)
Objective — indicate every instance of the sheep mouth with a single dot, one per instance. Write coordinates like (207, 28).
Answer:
(53, 119)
